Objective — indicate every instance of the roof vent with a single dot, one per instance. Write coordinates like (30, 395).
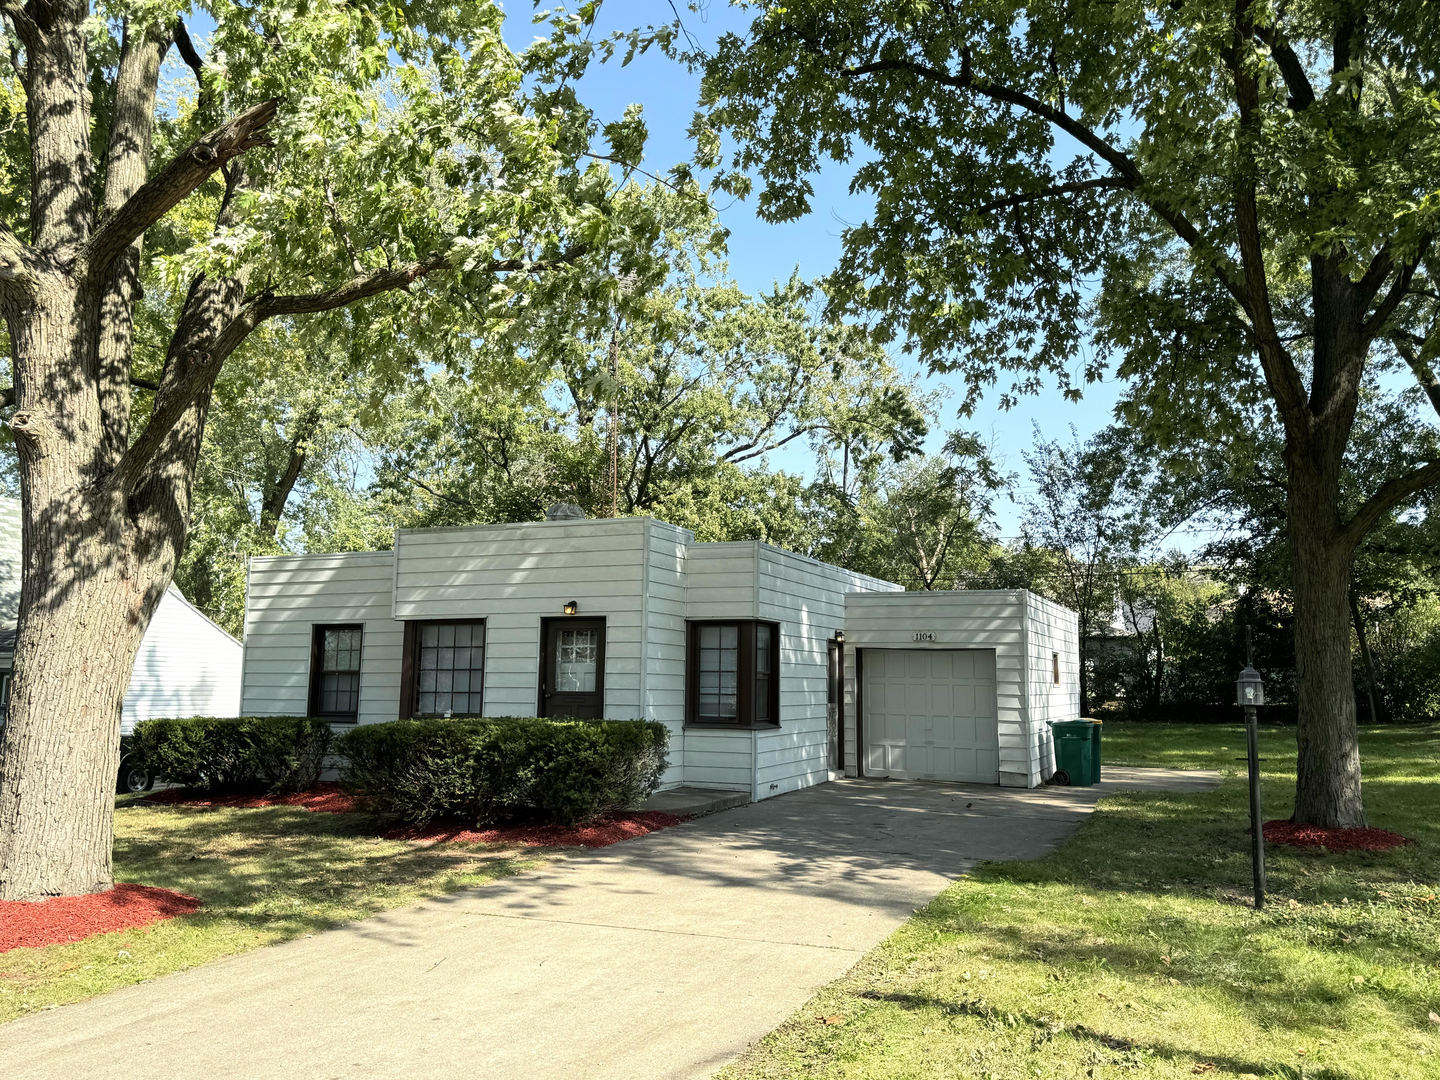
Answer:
(563, 511)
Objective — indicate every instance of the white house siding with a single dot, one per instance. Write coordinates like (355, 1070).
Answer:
(186, 666)
(286, 597)
(1050, 629)
(958, 620)
(512, 576)
(663, 692)
(807, 598)
(721, 582)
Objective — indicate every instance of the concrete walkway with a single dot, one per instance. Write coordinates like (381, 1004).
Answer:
(659, 957)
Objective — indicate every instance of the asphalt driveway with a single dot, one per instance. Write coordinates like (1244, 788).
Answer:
(663, 956)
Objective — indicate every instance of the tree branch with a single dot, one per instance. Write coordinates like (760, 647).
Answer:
(1412, 351)
(268, 306)
(1099, 183)
(190, 168)
(1390, 495)
(185, 389)
(1302, 94)
(1399, 288)
(25, 27)
(1121, 162)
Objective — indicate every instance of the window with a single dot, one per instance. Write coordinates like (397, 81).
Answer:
(1055, 667)
(732, 678)
(444, 668)
(335, 672)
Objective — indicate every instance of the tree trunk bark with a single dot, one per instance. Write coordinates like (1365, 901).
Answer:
(86, 599)
(1327, 783)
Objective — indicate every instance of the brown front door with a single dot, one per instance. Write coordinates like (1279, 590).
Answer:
(572, 668)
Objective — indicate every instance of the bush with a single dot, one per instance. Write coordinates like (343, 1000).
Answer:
(273, 755)
(480, 771)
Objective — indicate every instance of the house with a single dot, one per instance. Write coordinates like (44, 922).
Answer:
(186, 665)
(772, 670)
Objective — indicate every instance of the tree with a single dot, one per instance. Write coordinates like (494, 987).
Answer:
(672, 411)
(1251, 185)
(346, 153)
(1076, 511)
(925, 522)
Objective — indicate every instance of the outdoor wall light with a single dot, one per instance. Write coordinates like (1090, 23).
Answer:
(571, 607)
(839, 637)
(1248, 688)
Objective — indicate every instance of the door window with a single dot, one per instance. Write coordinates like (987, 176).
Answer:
(577, 661)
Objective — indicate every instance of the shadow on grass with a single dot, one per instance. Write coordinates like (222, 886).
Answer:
(287, 871)
(1045, 1027)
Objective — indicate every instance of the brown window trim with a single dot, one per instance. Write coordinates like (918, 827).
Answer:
(317, 636)
(745, 679)
(410, 683)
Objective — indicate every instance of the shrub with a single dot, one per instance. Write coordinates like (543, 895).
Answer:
(480, 771)
(275, 755)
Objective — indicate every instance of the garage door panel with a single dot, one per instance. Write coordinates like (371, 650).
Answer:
(931, 714)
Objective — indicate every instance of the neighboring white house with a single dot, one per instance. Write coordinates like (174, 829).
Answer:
(769, 668)
(186, 666)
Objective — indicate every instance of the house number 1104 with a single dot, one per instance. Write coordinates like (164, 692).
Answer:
(924, 635)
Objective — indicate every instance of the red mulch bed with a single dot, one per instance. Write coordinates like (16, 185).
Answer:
(1314, 836)
(27, 925)
(601, 833)
(323, 798)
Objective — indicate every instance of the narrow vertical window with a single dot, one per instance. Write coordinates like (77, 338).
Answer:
(335, 672)
(1055, 667)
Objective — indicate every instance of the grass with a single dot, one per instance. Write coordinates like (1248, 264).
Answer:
(265, 875)
(1133, 951)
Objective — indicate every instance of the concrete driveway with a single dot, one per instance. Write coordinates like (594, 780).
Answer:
(659, 957)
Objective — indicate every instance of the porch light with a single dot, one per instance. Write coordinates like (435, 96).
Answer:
(1248, 688)
(571, 607)
(839, 637)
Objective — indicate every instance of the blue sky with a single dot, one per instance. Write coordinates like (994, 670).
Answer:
(761, 253)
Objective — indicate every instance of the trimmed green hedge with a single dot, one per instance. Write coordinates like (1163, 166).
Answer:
(274, 755)
(480, 771)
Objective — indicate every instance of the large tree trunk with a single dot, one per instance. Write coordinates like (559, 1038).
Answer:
(1327, 785)
(86, 599)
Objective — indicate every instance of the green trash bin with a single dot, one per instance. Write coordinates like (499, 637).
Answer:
(1094, 748)
(1075, 752)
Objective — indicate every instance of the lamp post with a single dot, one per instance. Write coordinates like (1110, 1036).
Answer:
(1250, 693)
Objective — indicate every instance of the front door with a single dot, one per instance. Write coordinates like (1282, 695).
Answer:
(572, 668)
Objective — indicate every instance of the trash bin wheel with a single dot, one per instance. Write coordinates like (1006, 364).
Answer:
(1060, 776)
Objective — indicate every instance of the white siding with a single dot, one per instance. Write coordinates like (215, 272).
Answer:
(513, 576)
(958, 620)
(186, 666)
(287, 596)
(1024, 630)
(1050, 630)
(807, 598)
(663, 692)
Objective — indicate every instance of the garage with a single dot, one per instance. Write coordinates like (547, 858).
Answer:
(930, 714)
(957, 686)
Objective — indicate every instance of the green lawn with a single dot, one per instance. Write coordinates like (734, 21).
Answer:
(265, 876)
(1133, 951)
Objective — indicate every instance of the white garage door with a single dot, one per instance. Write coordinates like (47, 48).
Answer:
(929, 714)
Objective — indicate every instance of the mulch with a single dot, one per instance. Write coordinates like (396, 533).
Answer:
(600, 833)
(1314, 836)
(323, 798)
(30, 924)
